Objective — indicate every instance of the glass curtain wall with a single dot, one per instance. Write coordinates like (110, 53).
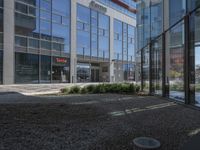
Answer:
(124, 46)
(104, 36)
(118, 39)
(145, 69)
(92, 33)
(83, 30)
(181, 48)
(41, 27)
(26, 68)
(195, 55)
(1, 41)
(175, 61)
(156, 61)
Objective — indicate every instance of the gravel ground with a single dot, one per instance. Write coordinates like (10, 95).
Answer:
(93, 122)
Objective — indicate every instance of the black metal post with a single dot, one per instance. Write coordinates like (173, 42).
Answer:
(186, 59)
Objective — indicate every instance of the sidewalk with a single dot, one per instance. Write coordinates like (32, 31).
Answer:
(36, 89)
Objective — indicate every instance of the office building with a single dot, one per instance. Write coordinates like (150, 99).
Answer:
(67, 41)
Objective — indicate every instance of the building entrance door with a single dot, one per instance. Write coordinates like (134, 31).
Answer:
(59, 74)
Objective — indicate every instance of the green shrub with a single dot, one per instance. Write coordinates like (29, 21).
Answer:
(101, 88)
(124, 88)
(65, 90)
(132, 88)
(137, 88)
(84, 90)
(115, 88)
(107, 88)
(74, 90)
(90, 88)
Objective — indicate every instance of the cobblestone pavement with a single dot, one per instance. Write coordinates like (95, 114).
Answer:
(93, 122)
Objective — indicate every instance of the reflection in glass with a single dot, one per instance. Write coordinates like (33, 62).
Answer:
(83, 72)
(60, 70)
(26, 68)
(175, 62)
(195, 55)
(156, 59)
(145, 69)
(45, 69)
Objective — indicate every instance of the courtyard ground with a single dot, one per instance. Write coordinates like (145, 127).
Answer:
(93, 122)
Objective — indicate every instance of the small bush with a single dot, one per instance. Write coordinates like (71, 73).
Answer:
(101, 88)
(75, 90)
(132, 88)
(84, 90)
(137, 88)
(115, 88)
(125, 88)
(90, 88)
(65, 90)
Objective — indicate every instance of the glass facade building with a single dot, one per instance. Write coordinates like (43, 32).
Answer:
(168, 45)
(62, 41)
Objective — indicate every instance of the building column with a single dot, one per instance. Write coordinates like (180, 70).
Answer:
(73, 57)
(8, 53)
(111, 66)
(166, 38)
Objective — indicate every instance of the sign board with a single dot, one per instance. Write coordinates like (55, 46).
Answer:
(98, 7)
(60, 61)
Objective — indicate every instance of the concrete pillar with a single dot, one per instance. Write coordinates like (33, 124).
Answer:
(111, 66)
(73, 57)
(8, 58)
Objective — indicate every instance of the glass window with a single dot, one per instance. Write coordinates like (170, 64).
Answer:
(61, 32)
(45, 69)
(156, 61)
(45, 15)
(61, 7)
(192, 4)
(45, 4)
(194, 57)
(83, 72)
(45, 27)
(83, 14)
(33, 43)
(60, 70)
(156, 18)
(26, 68)
(83, 30)
(21, 8)
(20, 41)
(177, 10)
(175, 62)
(145, 68)
(46, 45)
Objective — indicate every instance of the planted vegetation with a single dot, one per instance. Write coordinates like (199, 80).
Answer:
(122, 88)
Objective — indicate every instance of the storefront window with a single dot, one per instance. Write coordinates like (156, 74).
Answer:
(45, 69)
(83, 72)
(26, 68)
(60, 70)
